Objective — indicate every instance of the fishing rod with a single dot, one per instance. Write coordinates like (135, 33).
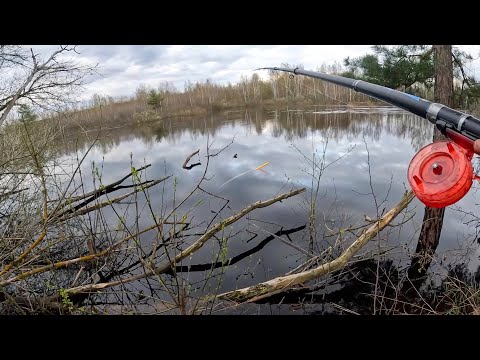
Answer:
(441, 173)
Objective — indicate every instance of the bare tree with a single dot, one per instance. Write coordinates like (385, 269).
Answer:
(42, 81)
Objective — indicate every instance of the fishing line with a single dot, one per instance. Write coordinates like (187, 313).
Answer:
(246, 172)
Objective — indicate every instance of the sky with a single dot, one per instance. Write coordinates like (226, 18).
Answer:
(122, 68)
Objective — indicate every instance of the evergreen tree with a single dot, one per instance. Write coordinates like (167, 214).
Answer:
(411, 68)
(26, 113)
(155, 99)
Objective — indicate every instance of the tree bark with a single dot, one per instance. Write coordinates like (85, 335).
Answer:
(433, 218)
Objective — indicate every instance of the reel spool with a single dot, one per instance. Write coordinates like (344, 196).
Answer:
(441, 173)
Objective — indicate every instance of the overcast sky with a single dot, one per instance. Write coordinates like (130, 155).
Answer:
(124, 67)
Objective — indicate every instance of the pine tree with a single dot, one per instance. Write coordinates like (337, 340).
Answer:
(155, 99)
(26, 113)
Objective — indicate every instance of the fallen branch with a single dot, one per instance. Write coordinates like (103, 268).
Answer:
(188, 159)
(140, 187)
(24, 254)
(65, 263)
(26, 305)
(92, 195)
(183, 254)
(283, 283)
(221, 225)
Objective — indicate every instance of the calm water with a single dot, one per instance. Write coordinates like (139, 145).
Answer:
(286, 138)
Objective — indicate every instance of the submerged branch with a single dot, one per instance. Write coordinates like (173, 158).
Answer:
(71, 213)
(221, 225)
(283, 283)
(183, 254)
(92, 195)
(188, 167)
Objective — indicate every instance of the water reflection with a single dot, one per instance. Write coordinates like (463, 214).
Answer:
(336, 122)
(286, 138)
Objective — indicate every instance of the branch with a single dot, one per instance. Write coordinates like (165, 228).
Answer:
(168, 266)
(24, 254)
(10, 104)
(221, 225)
(140, 187)
(460, 65)
(51, 80)
(188, 159)
(92, 195)
(464, 76)
(283, 283)
(66, 263)
(219, 151)
(236, 259)
(7, 194)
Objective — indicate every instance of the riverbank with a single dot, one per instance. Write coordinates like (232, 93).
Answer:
(133, 113)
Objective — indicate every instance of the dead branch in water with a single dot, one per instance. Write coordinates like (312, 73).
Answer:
(138, 187)
(219, 226)
(283, 283)
(92, 195)
(77, 210)
(65, 263)
(183, 254)
(188, 167)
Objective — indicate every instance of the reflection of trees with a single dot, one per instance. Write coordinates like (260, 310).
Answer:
(336, 122)
(353, 124)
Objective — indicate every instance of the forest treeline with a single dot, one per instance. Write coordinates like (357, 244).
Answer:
(198, 98)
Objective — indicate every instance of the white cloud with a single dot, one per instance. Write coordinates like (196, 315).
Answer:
(124, 67)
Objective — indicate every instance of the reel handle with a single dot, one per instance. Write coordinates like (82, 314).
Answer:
(461, 140)
(464, 142)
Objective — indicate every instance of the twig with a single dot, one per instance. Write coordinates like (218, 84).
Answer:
(218, 152)
(7, 194)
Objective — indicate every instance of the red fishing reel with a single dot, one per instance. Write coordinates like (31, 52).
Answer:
(441, 173)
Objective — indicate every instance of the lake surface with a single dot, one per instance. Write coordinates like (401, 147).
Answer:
(374, 144)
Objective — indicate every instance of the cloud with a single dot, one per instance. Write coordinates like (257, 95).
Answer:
(124, 67)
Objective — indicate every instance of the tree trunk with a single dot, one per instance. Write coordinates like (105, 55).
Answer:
(433, 218)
